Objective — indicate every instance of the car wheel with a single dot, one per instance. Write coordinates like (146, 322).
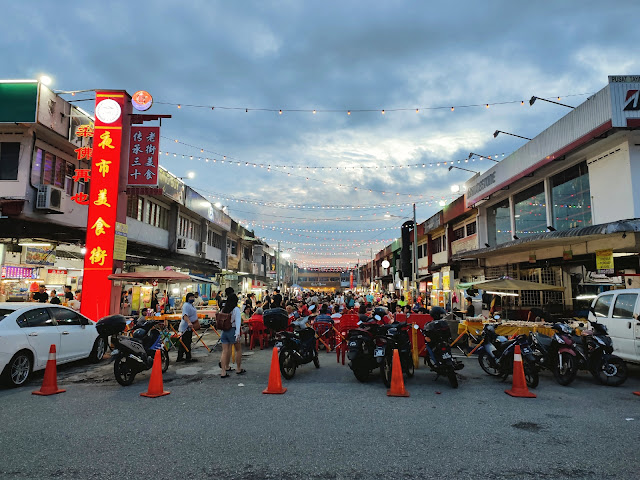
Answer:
(99, 349)
(18, 369)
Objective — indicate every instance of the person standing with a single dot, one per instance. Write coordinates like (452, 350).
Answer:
(54, 298)
(232, 336)
(277, 300)
(266, 301)
(41, 295)
(189, 316)
(68, 294)
(198, 301)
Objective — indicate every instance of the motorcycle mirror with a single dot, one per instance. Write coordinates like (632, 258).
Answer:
(359, 322)
(496, 317)
(378, 317)
(415, 325)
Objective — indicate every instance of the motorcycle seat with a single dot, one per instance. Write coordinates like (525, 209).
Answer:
(543, 339)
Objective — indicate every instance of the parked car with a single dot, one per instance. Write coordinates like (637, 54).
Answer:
(618, 310)
(27, 332)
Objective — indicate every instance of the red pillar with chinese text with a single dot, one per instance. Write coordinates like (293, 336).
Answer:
(107, 202)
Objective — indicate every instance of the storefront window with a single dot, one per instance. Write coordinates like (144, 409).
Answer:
(530, 211)
(571, 198)
(9, 160)
(36, 168)
(48, 169)
(499, 222)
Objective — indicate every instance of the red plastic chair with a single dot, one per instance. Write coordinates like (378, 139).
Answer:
(257, 332)
(324, 331)
(347, 322)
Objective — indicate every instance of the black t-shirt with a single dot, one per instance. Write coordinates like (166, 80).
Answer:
(55, 301)
(68, 295)
(277, 301)
(41, 297)
(471, 311)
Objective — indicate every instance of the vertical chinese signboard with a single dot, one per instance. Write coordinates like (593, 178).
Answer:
(143, 156)
(103, 202)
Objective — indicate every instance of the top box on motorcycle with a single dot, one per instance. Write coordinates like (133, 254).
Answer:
(111, 325)
(440, 327)
(276, 319)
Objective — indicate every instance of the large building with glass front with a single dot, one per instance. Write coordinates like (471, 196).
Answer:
(565, 198)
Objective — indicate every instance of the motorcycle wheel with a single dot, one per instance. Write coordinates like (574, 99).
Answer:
(385, 371)
(485, 363)
(453, 378)
(123, 372)
(568, 374)
(316, 360)
(164, 356)
(287, 364)
(612, 373)
(361, 372)
(531, 375)
(411, 369)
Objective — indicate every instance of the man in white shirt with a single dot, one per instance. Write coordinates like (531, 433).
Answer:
(189, 316)
(198, 301)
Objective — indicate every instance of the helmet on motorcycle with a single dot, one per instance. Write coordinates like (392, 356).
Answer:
(139, 333)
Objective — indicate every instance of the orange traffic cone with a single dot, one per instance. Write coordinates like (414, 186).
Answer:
(519, 388)
(275, 381)
(50, 382)
(156, 389)
(397, 382)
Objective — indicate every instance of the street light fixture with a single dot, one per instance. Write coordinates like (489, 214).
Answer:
(498, 132)
(45, 80)
(533, 99)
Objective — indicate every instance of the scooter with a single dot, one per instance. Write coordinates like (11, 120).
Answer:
(134, 354)
(594, 350)
(296, 348)
(496, 356)
(361, 342)
(393, 336)
(437, 335)
(556, 353)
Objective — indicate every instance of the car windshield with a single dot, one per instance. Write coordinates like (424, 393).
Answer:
(4, 312)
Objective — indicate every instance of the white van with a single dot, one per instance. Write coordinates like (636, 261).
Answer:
(618, 310)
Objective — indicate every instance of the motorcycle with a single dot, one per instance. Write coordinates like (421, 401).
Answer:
(595, 354)
(361, 343)
(556, 353)
(394, 336)
(132, 355)
(437, 335)
(495, 356)
(296, 348)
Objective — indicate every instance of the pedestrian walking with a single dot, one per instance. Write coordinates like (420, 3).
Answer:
(189, 317)
(232, 336)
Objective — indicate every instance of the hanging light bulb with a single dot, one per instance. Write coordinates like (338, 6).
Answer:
(452, 109)
(280, 112)
(314, 111)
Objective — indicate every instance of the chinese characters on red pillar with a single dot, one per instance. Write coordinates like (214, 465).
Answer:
(143, 156)
(83, 174)
(102, 200)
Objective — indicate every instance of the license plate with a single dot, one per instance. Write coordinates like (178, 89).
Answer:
(379, 352)
(446, 356)
(526, 350)
(353, 344)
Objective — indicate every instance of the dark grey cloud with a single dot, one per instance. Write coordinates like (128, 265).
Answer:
(330, 55)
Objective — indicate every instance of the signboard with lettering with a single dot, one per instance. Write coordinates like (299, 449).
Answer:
(143, 156)
(10, 271)
(56, 277)
(198, 204)
(171, 186)
(120, 242)
(39, 256)
(604, 261)
(103, 201)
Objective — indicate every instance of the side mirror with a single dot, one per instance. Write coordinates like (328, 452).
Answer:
(496, 317)
(415, 325)
(84, 321)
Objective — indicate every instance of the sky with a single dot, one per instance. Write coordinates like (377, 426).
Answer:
(224, 70)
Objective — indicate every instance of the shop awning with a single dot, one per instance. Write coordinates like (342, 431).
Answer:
(199, 279)
(509, 284)
(159, 275)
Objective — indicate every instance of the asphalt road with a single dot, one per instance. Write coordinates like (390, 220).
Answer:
(326, 426)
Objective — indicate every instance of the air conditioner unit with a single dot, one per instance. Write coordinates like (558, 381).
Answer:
(182, 243)
(49, 198)
(203, 248)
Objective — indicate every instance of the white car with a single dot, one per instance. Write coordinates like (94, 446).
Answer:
(27, 331)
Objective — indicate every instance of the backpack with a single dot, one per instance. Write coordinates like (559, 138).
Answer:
(223, 321)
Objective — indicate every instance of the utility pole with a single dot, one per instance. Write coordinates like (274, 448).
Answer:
(278, 267)
(371, 283)
(415, 248)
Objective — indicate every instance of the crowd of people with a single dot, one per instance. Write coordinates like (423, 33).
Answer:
(68, 298)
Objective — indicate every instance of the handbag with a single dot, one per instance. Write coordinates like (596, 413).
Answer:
(223, 321)
(195, 325)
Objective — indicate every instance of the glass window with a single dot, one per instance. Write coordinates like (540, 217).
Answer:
(458, 233)
(9, 160)
(624, 306)
(140, 209)
(571, 198)
(36, 168)
(37, 317)
(436, 245)
(66, 317)
(601, 307)
(471, 228)
(499, 222)
(61, 170)
(4, 312)
(48, 169)
(530, 211)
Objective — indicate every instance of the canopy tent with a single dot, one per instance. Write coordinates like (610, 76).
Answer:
(159, 275)
(507, 283)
